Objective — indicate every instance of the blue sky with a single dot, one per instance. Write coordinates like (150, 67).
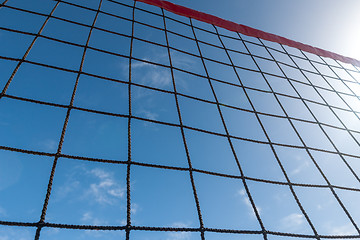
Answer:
(281, 99)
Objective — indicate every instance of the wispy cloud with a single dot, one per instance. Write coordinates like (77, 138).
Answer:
(105, 190)
(303, 165)
(123, 222)
(95, 185)
(293, 221)
(246, 201)
(326, 204)
(147, 103)
(70, 186)
(154, 76)
(179, 235)
(134, 208)
(148, 114)
(88, 218)
(135, 65)
(49, 145)
(150, 74)
(181, 60)
(347, 229)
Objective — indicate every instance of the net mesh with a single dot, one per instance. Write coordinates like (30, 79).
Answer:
(121, 120)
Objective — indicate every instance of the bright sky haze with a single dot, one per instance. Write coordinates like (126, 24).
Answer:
(328, 24)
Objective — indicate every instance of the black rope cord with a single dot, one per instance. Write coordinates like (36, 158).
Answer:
(313, 159)
(267, 136)
(229, 140)
(200, 54)
(183, 136)
(129, 160)
(46, 202)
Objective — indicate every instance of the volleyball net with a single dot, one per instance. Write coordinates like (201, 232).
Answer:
(127, 119)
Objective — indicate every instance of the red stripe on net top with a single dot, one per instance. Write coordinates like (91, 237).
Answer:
(252, 32)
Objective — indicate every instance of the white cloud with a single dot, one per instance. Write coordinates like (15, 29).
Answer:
(181, 60)
(302, 165)
(293, 221)
(242, 192)
(139, 93)
(49, 145)
(150, 74)
(70, 186)
(347, 229)
(105, 190)
(88, 218)
(319, 206)
(179, 235)
(158, 78)
(246, 201)
(326, 204)
(134, 208)
(135, 65)
(123, 222)
(94, 185)
(155, 76)
(149, 114)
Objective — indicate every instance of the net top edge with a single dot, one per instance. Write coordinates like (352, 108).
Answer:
(246, 30)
